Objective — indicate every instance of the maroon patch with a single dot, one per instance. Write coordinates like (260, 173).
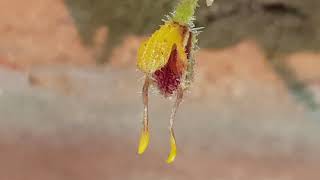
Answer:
(168, 78)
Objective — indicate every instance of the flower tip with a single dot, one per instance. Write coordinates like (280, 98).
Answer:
(173, 151)
(144, 141)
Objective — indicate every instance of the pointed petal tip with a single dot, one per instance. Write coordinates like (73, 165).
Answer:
(173, 151)
(144, 141)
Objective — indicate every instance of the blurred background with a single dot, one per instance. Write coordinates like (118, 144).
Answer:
(70, 93)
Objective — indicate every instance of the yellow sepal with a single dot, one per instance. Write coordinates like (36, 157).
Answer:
(173, 151)
(154, 53)
(144, 141)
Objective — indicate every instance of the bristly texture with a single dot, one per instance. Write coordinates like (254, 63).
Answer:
(184, 12)
(190, 50)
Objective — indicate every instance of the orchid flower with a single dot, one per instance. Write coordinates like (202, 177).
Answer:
(167, 59)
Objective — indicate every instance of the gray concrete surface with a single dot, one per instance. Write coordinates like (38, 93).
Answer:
(92, 132)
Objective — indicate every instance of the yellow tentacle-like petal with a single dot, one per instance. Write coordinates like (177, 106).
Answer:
(154, 53)
(173, 151)
(144, 141)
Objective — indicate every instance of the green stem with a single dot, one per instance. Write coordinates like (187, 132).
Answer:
(184, 11)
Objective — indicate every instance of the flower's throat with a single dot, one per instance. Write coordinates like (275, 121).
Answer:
(168, 78)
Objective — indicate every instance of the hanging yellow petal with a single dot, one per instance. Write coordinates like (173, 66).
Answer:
(154, 53)
(144, 141)
(173, 151)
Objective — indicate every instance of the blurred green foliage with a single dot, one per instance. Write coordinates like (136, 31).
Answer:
(121, 17)
(226, 22)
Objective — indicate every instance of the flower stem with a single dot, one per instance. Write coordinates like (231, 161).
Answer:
(184, 11)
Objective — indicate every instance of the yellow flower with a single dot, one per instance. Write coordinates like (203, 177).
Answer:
(165, 58)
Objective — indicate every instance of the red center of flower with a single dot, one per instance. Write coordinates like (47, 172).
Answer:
(168, 78)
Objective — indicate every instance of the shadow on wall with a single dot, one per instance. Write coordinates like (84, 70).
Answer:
(278, 25)
(121, 17)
